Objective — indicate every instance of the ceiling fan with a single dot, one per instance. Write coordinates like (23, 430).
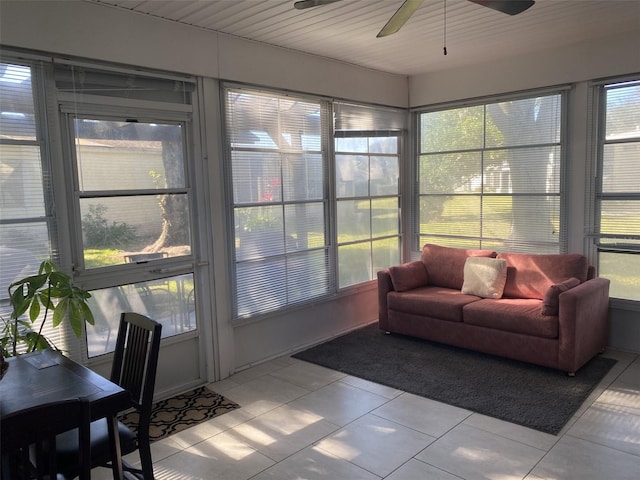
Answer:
(510, 7)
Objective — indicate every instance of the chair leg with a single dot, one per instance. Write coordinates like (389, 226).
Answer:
(146, 461)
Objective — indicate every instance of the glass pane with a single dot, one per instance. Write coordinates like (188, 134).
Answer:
(383, 145)
(352, 176)
(302, 177)
(17, 118)
(128, 155)
(621, 168)
(23, 246)
(261, 286)
(521, 219)
(385, 217)
(386, 253)
(304, 226)
(21, 189)
(354, 220)
(620, 217)
(384, 173)
(452, 173)
(622, 269)
(451, 215)
(259, 231)
(170, 301)
(307, 275)
(115, 228)
(448, 130)
(623, 112)
(256, 177)
(529, 121)
(352, 144)
(527, 170)
(262, 121)
(354, 264)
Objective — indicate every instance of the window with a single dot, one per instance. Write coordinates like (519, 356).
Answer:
(489, 175)
(132, 196)
(279, 200)
(27, 222)
(367, 173)
(617, 203)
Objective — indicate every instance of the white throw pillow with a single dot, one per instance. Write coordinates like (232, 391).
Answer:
(484, 277)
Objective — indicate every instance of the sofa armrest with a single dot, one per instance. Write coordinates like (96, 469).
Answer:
(384, 287)
(583, 323)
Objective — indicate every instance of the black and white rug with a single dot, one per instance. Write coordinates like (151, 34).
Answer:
(182, 411)
(536, 397)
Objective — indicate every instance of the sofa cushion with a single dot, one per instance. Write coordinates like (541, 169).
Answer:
(551, 300)
(445, 265)
(518, 315)
(530, 276)
(484, 277)
(435, 302)
(408, 275)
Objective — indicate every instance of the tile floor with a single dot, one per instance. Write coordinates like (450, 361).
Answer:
(301, 421)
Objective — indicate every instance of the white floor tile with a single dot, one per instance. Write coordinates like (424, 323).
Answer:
(339, 403)
(283, 431)
(264, 393)
(307, 375)
(572, 458)
(528, 436)
(382, 390)
(422, 414)
(612, 426)
(417, 470)
(473, 454)
(222, 457)
(315, 464)
(375, 444)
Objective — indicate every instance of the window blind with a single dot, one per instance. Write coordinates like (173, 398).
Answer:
(489, 175)
(276, 164)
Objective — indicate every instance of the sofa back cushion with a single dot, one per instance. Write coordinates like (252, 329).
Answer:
(445, 265)
(530, 276)
(408, 276)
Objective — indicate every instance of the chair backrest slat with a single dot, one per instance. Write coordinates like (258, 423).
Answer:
(136, 356)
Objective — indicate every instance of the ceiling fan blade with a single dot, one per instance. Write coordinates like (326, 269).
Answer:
(510, 7)
(400, 17)
(302, 4)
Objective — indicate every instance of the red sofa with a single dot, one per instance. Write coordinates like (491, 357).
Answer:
(549, 310)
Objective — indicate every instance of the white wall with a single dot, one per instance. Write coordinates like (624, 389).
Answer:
(580, 62)
(105, 33)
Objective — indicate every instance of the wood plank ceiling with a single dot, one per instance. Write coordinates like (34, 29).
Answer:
(346, 30)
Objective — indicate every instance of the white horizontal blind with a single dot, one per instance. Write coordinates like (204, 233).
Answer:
(367, 148)
(617, 228)
(277, 172)
(27, 223)
(489, 175)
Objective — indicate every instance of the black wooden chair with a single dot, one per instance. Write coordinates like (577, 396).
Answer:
(134, 369)
(28, 443)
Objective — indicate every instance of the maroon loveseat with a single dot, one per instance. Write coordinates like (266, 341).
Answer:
(548, 310)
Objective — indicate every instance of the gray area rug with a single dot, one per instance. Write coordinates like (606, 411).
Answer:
(536, 397)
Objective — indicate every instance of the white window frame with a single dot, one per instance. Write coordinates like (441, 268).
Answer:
(597, 143)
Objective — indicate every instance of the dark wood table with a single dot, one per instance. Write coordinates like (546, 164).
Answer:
(47, 376)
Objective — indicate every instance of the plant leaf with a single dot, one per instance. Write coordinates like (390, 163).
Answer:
(60, 311)
(34, 310)
(87, 313)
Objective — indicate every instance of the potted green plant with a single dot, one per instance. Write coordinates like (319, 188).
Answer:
(49, 293)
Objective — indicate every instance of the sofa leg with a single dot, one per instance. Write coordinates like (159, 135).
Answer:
(571, 374)
(387, 332)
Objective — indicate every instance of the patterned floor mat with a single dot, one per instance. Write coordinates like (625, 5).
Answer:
(182, 411)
